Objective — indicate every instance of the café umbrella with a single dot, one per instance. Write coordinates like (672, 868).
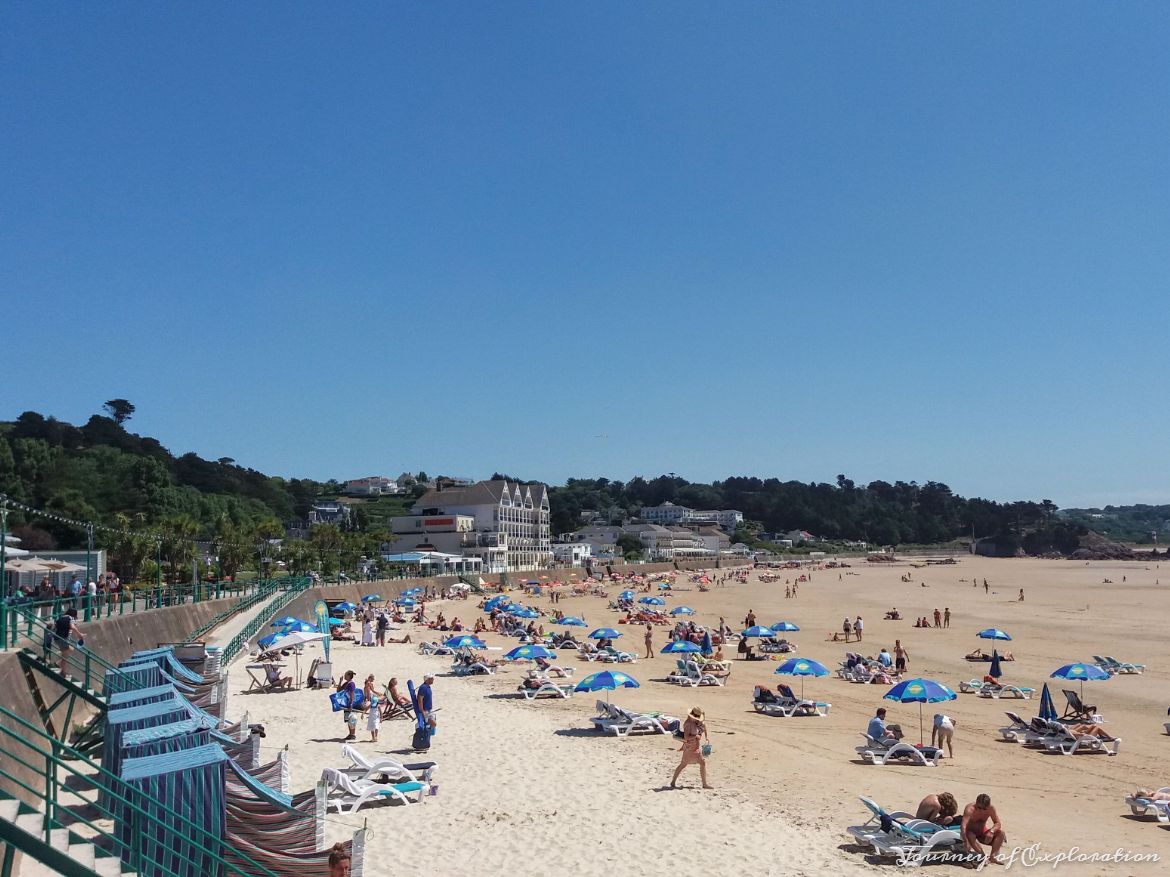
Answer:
(920, 691)
(607, 681)
(802, 667)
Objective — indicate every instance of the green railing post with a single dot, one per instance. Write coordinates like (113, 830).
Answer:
(88, 614)
(4, 632)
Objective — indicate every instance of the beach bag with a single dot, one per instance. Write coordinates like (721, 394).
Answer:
(422, 739)
(341, 701)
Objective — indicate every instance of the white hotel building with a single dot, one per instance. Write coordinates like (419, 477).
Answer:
(669, 514)
(505, 525)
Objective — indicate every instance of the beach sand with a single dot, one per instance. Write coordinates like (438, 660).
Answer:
(528, 786)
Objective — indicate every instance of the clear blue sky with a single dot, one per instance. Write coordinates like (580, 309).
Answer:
(919, 241)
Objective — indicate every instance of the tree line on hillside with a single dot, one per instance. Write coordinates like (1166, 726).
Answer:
(878, 513)
(104, 474)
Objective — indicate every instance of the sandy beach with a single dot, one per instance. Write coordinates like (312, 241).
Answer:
(529, 786)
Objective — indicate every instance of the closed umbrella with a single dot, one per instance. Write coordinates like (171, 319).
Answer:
(920, 691)
(996, 671)
(1047, 709)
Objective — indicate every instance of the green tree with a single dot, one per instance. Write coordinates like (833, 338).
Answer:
(231, 545)
(178, 545)
(630, 546)
(119, 409)
(128, 550)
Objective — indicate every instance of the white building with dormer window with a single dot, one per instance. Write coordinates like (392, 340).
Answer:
(506, 525)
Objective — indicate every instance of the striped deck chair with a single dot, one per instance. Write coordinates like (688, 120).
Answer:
(189, 782)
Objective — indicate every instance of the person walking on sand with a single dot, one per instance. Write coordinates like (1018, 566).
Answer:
(900, 656)
(1020, 599)
(694, 731)
(349, 688)
(858, 627)
(986, 589)
(374, 709)
(649, 640)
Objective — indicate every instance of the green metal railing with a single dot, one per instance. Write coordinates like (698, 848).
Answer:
(294, 589)
(130, 601)
(47, 758)
(262, 593)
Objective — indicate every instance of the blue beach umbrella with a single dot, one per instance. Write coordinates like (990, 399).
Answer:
(372, 598)
(802, 667)
(994, 633)
(498, 600)
(607, 681)
(1080, 673)
(345, 606)
(652, 601)
(680, 647)
(757, 630)
(682, 610)
(268, 640)
(336, 622)
(526, 613)
(529, 652)
(781, 626)
(300, 627)
(284, 622)
(626, 595)
(604, 633)
(996, 671)
(410, 592)
(1047, 709)
(571, 621)
(663, 586)
(465, 641)
(920, 691)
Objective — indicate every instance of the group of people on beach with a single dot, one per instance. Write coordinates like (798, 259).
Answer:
(370, 703)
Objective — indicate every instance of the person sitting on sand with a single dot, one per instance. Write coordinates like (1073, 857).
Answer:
(479, 626)
(885, 658)
(941, 809)
(745, 651)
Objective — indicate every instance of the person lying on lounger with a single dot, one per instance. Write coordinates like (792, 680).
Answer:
(1088, 729)
(1152, 795)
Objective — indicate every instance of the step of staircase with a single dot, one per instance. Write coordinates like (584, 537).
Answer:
(83, 853)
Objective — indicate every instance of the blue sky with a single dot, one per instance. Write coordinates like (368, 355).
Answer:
(922, 242)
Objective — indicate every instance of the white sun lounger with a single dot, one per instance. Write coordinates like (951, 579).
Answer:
(1016, 731)
(622, 722)
(1063, 740)
(364, 768)
(434, 649)
(348, 795)
(877, 753)
(1010, 691)
(547, 689)
(911, 841)
(973, 686)
(692, 675)
(1148, 806)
